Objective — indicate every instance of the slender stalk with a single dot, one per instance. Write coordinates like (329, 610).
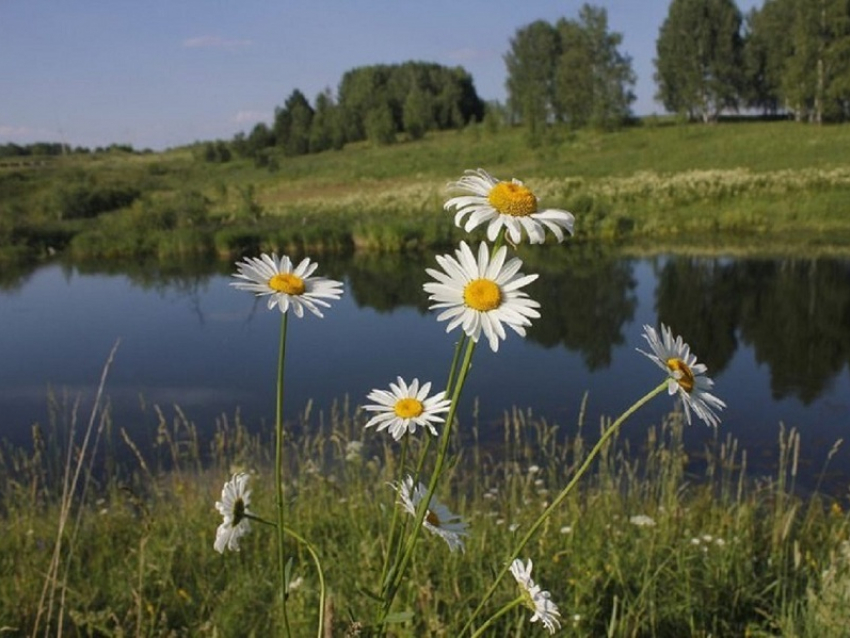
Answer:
(278, 470)
(432, 486)
(322, 588)
(603, 440)
(393, 525)
(497, 615)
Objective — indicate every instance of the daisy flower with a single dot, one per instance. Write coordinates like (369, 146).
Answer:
(505, 204)
(685, 376)
(439, 520)
(536, 599)
(286, 286)
(233, 506)
(480, 295)
(405, 407)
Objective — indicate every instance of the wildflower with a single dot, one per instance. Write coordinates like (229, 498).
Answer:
(536, 599)
(439, 520)
(285, 285)
(511, 205)
(480, 295)
(685, 375)
(642, 520)
(353, 451)
(405, 407)
(233, 506)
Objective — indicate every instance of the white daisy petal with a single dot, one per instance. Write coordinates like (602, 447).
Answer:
(685, 376)
(481, 294)
(439, 520)
(233, 506)
(535, 598)
(482, 199)
(287, 287)
(405, 407)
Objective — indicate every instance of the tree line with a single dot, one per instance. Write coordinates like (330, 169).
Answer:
(375, 103)
(789, 57)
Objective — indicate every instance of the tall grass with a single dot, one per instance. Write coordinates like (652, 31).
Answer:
(647, 547)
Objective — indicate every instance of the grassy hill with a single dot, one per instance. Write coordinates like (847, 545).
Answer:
(656, 186)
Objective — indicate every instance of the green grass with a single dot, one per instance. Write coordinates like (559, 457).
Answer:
(770, 181)
(726, 556)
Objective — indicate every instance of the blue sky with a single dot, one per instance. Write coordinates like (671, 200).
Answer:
(163, 73)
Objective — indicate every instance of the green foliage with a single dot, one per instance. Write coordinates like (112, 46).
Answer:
(380, 127)
(449, 97)
(779, 179)
(651, 544)
(699, 58)
(292, 124)
(571, 72)
(417, 115)
(215, 152)
(81, 200)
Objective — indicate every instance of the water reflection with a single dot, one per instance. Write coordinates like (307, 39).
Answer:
(793, 313)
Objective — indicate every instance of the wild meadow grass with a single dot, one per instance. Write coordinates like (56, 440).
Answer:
(759, 180)
(649, 545)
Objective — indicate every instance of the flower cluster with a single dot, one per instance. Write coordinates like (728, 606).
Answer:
(482, 292)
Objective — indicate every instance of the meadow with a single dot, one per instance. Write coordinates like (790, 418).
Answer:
(743, 186)
(655, 541)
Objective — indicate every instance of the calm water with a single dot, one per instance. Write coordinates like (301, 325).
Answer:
(775, 335)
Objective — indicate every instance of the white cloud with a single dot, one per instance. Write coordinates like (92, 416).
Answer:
(215, 42)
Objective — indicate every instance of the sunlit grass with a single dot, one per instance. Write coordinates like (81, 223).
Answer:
(646, 547)
(766, 178)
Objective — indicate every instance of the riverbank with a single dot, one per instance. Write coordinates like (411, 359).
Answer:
(738, 183)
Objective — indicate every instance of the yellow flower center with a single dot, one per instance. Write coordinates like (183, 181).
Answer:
(512, 199)
(686, 378)
(287, 283)
(408, 408)
(482, 294)
(433, 519)
(238, 511)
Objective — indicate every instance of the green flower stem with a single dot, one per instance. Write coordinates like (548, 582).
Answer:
(432, 486)
(497, 615)
(315, 557)
(453, 369)
(603, 440)
(455, 361)
(278, 470)
(322, 589)
(394, 523)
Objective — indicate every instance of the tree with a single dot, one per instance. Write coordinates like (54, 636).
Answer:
(699, 58)
(448, 93)
(292, 124)
(380, 127)
(531, 71)
(572, 72)
(593, 80)
(815, 79)
(417, 115)
(767, 48)
(326, 130)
